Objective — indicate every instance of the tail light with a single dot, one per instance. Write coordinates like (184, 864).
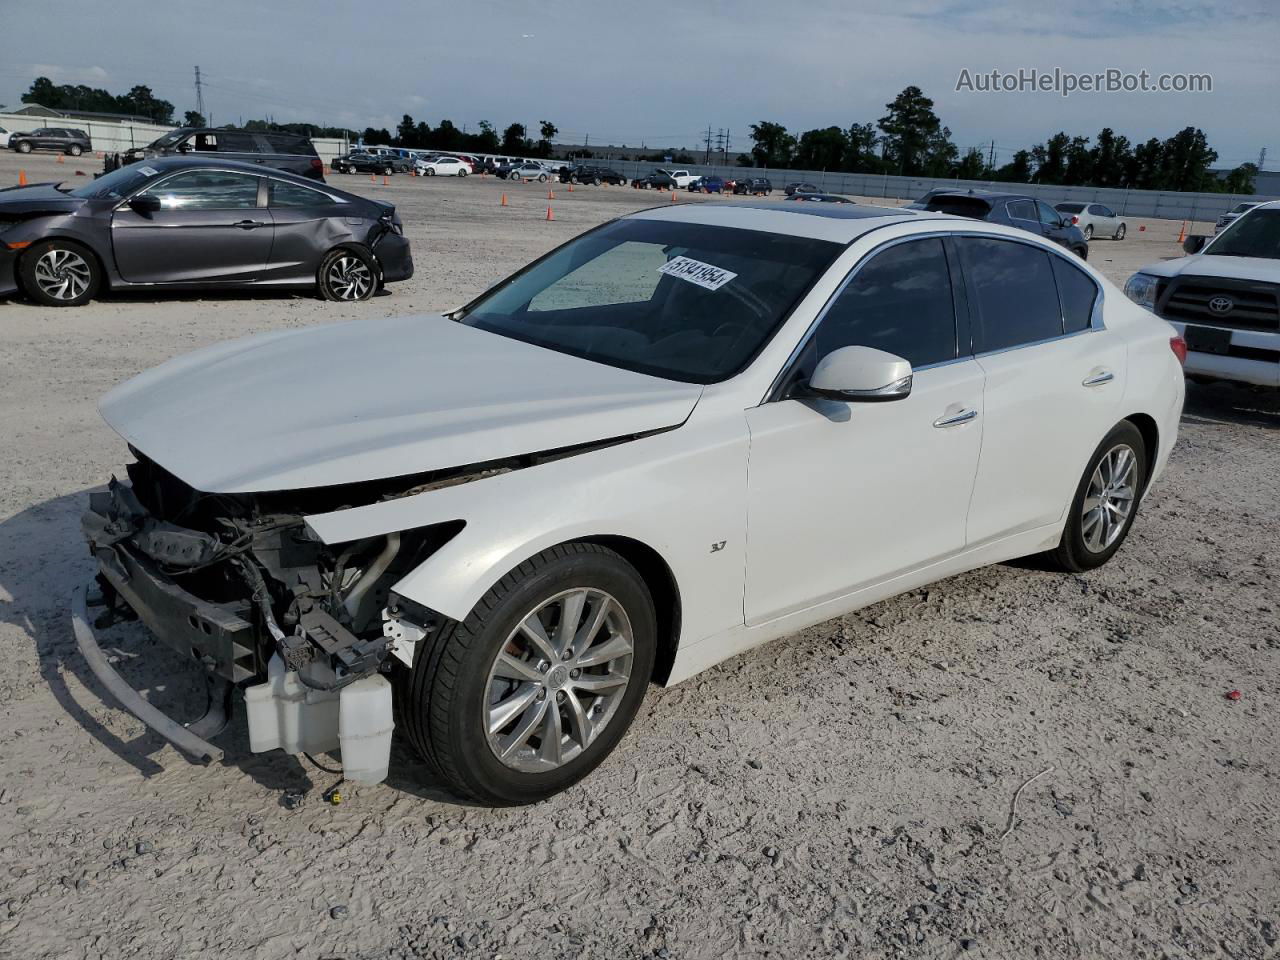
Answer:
(1179, 348)
(317, 163)
(1075, 220)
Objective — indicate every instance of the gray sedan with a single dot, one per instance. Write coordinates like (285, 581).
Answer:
(185, 222)
(1093, 219)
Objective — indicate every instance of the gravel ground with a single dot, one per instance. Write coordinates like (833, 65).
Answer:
(843, 792)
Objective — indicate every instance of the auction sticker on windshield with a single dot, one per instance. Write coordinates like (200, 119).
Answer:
(695, 271)
(149, 171)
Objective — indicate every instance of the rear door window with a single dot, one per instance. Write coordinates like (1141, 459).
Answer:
(234, 141)
(1013, 296)
(1077, 291)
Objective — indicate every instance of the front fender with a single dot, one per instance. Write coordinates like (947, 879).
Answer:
(682, 493)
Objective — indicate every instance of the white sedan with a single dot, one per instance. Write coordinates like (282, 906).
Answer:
(682, 434)
(442, 167)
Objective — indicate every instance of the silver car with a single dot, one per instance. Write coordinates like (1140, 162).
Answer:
(1231, 215)
(1093, 219)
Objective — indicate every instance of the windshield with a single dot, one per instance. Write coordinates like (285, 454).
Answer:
(168, 140)
(682, 301)
(117, 184)
(1255, 235)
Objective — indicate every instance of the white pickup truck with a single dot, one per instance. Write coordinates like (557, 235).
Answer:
(1224, 298)
(682, 177)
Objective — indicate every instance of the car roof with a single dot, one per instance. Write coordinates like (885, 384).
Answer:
(169, 164)
(837, 222)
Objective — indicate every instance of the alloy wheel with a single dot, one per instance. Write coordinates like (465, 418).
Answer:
(349, 278)
(558, 680)
(62, 274)
(1109, 501)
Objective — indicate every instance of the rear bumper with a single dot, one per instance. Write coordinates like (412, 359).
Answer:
(392, 251)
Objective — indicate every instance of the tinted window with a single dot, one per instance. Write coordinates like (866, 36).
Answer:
(1257, 235)
(678, 300)
(292, 195)
(1048, 216)
(900, 302)
(1012, 293)
(236, 142)
(1070, 207)
(959, 206)
(1077, 292)
(1021, 210)
(207, 190)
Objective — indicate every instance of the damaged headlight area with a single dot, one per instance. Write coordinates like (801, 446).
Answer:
(238, 583)
(232, 580)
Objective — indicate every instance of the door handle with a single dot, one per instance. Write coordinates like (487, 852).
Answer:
(249, 224)
(1098, 379)
(956, 419)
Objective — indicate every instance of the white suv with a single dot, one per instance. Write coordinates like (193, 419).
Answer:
(1224, 298)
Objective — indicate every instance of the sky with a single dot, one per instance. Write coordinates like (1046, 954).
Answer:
(616, 73)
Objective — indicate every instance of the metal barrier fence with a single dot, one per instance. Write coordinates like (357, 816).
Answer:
(1169, 205)
(115, 137)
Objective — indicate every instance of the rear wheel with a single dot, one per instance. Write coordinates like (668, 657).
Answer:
(347, 275)
(75, 150)
(1088, 231)
(1120, 232)
(542, 178)
(57, 273)
(462, 171)
(1105, 503)
(535, 688)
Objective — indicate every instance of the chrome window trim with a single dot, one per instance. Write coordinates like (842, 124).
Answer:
(1096, 322)
(165, 178)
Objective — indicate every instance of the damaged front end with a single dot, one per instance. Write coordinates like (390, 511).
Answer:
(238, 583)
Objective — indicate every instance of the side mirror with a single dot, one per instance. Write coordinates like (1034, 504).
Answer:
(1194, 243)
(145, 203)
(185, 147)
(859, 375)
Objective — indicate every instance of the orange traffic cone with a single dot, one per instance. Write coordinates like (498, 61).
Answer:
(673, 196)
(551, 194)
(373, 179)
(550, 215)
(60, 159)
(1182, 234)
(504, 201)
(22, 178)
(571, 188)
(384, 182)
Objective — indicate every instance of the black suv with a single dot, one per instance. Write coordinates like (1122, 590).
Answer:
(70, 142)
(596, 175)
(658, 180)
(1013, 210)
(367, 163)
(753, 186)
(291, 152)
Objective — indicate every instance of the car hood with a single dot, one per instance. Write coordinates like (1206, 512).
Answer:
(37, 198)
(1266, 269)
(376, 399)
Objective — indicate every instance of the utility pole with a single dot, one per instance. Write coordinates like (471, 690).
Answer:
(200, 97)
(991, 156)
(727, 145)
(1262, 158)
(706, 157)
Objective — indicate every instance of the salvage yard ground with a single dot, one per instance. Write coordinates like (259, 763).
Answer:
(843, 792)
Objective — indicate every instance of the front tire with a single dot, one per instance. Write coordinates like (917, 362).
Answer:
(24, 147)
(347, 275)
(57, 273)
(1106, 501)
(387, 171)
(536, 687)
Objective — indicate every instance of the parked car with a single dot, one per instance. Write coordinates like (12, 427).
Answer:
(753, 186)
(58, 139)
(1093, 218)
(364, 163)
(820, 198)
(799, 187)
(501, 525)
(5, 136)
(923, 202)
(443, 167)
(187, 222)
(706, 185)
(592, 174)
(524, 170)
(1230, 216)
(291, 152)
(657, 180)
(1224, 297)
(1014, 210)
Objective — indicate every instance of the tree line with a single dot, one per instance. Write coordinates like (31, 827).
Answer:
(911, 140)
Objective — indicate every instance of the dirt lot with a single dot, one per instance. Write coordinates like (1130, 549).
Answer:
(844, 792)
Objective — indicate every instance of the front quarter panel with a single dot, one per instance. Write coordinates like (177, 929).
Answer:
(681, 493)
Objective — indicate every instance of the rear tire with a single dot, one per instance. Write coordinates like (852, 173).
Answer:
(75, 150)
(347, 275)
(1088, 232)
(457, 680)
(59, 273)
(1119, 233)
(1092, 536)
